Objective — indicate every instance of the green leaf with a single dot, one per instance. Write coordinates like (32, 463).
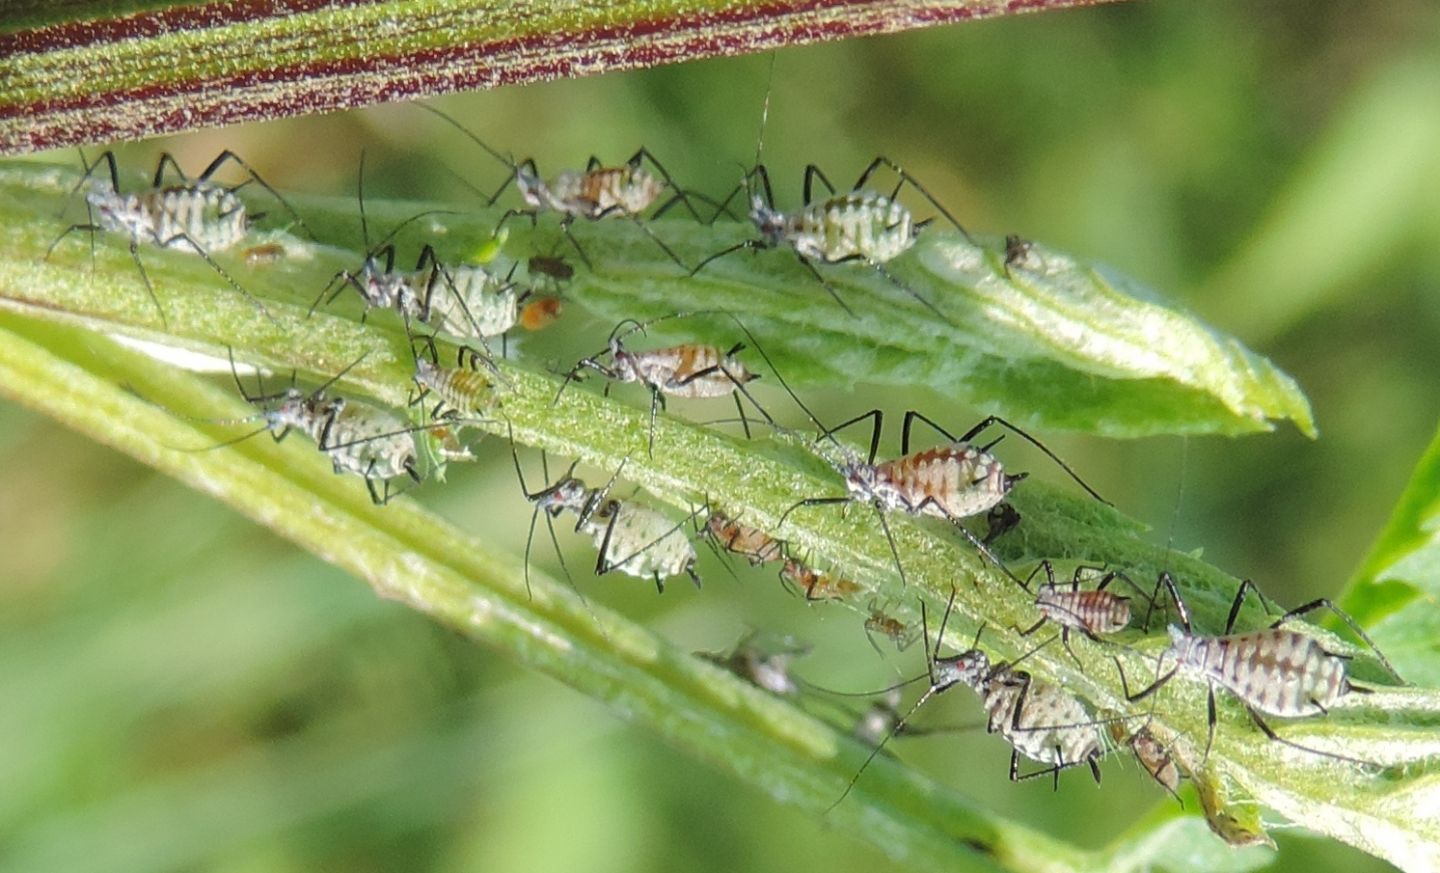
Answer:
(1397, 584)
(410, 555)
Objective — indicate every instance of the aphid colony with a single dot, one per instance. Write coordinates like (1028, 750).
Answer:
(450, 309)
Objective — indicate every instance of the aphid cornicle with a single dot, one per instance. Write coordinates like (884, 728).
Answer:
(629, 537)
(691, 370)
(1272, 672)
(360, 439)
(194, 215)
(1041, 721)
(1092, 612)
(860, 225)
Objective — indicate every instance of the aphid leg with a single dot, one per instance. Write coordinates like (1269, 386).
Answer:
(1325, 603)
(752, 244)
(643, 154)
(810, 265)
(1150, 689)
(905, 177)
(995, 419)
(214, 265)
(813, 172)
(878, 424)
(1270, 732)
(1246, 586)
(979, 544)
(228, 156)
(664, 247)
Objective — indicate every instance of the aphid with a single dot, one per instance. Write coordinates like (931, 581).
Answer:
(1017, 251)
(815, 584)
(464, 300)
(360, 439)
(953, 481)
(860, 225)
(629, 537)
(893, 629)
(879, 720)
(1039, 720)
(540, 313)
(1093, 612)
(264, 254)
(194, 215)
(751, 543)
(763, 660)
(595, 193)
(556, 268)
(1150, 752)
(691, 370)
(1274, 672)
(464, 390)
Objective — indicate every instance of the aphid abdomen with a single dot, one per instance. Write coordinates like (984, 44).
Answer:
(1156, 760)
(702, 371)
(1096, 612)
(479, 303)
(370, 442)
(946, 482)
(1053, 727)
(639, 541)
(755, 545)
(463, 391)
(861, 224)
(619, 190)
(1276, 672)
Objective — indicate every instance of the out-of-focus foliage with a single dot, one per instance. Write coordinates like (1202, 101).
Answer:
(183, 690)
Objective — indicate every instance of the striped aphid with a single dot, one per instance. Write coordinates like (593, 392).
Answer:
(597, 192)
(469, 389)
(1041, 721)
(629, 537)
(1092, 612)
(360, 439)
(1154, 756)
(1272, 672)
(191, 215)
(460, 300)
(751, 543)
(857, 226)
(954, 481)
(689, 370)
(903, 636)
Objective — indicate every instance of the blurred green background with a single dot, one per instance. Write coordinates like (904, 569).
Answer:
(183, 691)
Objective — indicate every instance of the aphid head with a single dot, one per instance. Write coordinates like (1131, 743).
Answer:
(529, 183)
(1181, 642)
(568, 493)
(769, 221)
(968, 668)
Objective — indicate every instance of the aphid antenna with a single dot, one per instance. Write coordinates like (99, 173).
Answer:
(506, 160)
(983, 425)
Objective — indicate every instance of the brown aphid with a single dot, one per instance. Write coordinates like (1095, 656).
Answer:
(541, 312)
(263, 255)
(1092, 612)
(816, 585)
(893, 629)
(751, 543)
(1152, 755)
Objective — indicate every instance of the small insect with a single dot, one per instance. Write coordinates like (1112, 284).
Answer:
(879, 720)
(816, 585)
(463, 300)
(264, 254)
(763, 660)
(691, 370)
(860, 225)
(751, 543)
(1272, 672)
(893, 629)
(540, 313)
(359, 439)
(471, 388)
(595, 193)
(953, 481)
(556, 268)
(1092, 612)
(194, 215)
(629, 537)
(1017, 251)
(1150, 752)
(1039, 720)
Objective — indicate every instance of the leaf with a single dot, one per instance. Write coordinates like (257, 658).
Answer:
(1396, 587)
(1060, 343)
(409, 555)
(173, 67)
